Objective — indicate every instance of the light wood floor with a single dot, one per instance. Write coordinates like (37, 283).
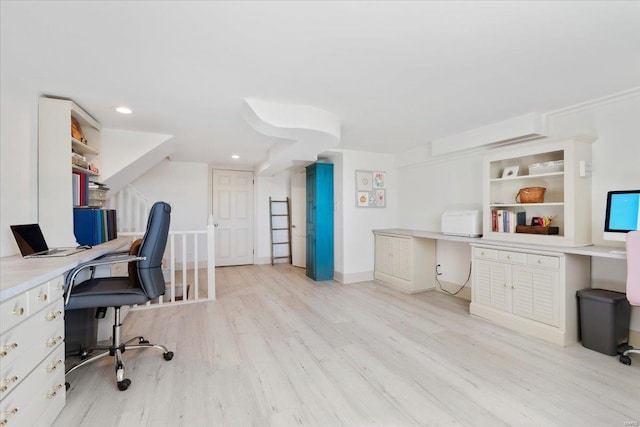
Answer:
(277, 349)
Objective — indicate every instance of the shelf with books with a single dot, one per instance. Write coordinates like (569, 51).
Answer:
(65, 132)
(549, 171)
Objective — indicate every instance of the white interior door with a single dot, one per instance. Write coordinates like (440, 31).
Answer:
(299, 219)
(233, 208)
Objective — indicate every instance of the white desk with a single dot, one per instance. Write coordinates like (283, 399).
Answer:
(32, 385)
(592, 250)
(526, 287)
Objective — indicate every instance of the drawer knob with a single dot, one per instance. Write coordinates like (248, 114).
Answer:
(8, 413)
(60, 287)
(54, 341)
(7, 348)
(18, 311)
(54, 391)
(43, 297)
(54, 365)
(6, 382)
(539, 261)
(482, 253)
(53, 315)
(508, 256)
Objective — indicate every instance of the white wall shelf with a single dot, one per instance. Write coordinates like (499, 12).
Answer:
(567, 198)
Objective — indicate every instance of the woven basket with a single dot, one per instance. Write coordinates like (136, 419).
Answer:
(531, 195)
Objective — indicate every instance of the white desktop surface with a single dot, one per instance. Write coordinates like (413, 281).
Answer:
(593, 251)
(18, 275)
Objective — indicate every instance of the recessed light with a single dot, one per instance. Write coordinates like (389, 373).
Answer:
(235, 156)
(123, 110)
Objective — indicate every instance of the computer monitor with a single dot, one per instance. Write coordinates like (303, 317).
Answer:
(622, 214)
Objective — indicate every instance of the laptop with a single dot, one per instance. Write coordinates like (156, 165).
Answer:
(32, 244)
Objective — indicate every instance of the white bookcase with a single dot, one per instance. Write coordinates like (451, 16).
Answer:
(55, 197)
(567, 198)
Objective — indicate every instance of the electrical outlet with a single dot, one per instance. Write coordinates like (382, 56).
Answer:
(438, 270)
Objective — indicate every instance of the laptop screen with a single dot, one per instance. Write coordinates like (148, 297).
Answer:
(29, 238)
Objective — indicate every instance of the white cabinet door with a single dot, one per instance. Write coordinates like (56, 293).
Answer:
(384, 254)
(491, 284)
(536, 295)
(402, 257)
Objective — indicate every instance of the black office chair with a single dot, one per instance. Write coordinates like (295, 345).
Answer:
(144, 283)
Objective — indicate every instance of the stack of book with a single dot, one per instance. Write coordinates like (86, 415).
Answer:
(93, 226)
(506, 221)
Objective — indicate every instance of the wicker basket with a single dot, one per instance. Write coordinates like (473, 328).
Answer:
(531, 195)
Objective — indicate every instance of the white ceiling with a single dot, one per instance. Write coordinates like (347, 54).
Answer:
(397, 74)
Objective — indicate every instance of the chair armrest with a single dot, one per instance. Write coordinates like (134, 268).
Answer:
(105, 260)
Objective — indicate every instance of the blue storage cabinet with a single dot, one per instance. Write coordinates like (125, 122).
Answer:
(320, 221)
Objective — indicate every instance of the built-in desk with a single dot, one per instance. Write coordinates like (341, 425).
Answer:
(591, 250)
(526, 287)
(32, 385)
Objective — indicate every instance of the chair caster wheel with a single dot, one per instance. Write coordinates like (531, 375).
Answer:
(124, 384)
(625, 360)
(143, 341)
(67, 386)
(168, 355)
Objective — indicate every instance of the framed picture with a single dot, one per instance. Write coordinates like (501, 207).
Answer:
(510, 171)
(371, 189)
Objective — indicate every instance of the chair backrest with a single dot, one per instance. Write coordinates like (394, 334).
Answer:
(153, 245)
(633, 267)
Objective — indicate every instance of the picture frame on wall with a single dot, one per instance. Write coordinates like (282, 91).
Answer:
(371, 189)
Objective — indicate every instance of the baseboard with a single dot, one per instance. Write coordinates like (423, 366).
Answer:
(362, 276)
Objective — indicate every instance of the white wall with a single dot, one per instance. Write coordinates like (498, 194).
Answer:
(353, 226)
(185, 186)
(279, 188)
(428, 188)
(18, 160)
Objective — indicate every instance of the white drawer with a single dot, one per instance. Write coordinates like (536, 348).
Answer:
(43, 388)
(514, 257)
(485, 253)
(24, 346)
(543, 261)
(13, 311)
(39, 298)
(56, 288)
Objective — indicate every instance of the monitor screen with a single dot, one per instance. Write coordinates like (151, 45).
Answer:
(622, 214)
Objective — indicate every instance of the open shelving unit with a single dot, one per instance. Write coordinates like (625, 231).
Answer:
(55, 182)
(567, 198)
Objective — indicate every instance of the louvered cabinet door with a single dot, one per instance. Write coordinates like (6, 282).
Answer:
(536, 294)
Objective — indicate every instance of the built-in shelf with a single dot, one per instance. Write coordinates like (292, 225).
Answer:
(524, 205)
(83, 170)
(524, 177)
(566, 197)
(82, 148)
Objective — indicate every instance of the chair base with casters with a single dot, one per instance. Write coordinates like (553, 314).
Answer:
(115, 350)
(625, 358)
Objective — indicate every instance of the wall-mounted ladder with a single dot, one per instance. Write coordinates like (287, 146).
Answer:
(280, 229)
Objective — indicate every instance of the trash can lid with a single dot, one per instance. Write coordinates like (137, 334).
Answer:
(603, 295)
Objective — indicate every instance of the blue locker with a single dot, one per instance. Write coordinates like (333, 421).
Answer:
(320, 221)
